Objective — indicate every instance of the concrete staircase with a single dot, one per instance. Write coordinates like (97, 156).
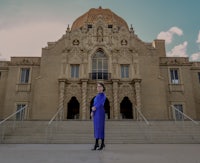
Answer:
(117, 132)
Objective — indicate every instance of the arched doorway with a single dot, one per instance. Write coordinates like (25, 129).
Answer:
(73, 109)
(106, 107)
(126, 109)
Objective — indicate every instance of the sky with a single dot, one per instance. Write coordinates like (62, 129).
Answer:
(27, 25)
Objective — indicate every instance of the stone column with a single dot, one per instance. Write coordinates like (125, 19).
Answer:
(138, 93)
(84, 101)
(61, 97)
(115, 99)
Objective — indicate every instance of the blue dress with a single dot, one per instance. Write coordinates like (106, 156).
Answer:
(99, 116)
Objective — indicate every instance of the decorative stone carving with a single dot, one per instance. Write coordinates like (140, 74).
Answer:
(138, 93)
(90, 41)
(76, 42)
(84, 99)
(125, 56)
(75, 55)
(25, 61)
(115, 99)
(124, 42)
(73, 90)
(109, 42)
(174, 61)
(100, 34)
(136, 67)
(84, 29)
(115, 29)
(126, 90)
(92, 91)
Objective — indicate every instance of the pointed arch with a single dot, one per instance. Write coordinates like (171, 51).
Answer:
(126, 108)
(73, 108)
(127, 90)
(73, 89)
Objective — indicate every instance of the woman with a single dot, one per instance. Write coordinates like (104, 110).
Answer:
(98, 114)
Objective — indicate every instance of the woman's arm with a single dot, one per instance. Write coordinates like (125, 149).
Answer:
(99, 101)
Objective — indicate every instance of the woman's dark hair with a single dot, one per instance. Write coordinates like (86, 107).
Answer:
(104, 88)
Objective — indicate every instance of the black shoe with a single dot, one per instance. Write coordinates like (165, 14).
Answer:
(101, 147)
(95, 147)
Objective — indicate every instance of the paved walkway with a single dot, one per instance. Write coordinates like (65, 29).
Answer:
(114, 153)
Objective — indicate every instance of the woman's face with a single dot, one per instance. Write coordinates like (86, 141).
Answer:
(99, 88)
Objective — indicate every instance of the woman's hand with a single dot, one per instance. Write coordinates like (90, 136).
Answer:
(91, 114)
(93, 108)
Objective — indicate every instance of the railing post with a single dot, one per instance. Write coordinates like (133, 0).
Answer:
(58, 116)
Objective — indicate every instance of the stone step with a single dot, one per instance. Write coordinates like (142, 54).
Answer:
(116, 132)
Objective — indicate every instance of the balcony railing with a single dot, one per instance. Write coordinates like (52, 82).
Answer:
(176, 87)
(100, 75)
(23, 87)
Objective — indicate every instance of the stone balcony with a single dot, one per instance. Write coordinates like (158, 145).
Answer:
(23, 87)
(176, 87)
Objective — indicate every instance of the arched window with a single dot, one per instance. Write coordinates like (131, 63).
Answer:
(100, 65)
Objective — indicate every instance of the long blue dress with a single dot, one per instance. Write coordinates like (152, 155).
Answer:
(99, 116)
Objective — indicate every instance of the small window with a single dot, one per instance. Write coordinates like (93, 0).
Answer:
(74, 71)
(110, 26)
(174, 76)
(178, 111)
(20, 115)
(199, 76)
(89, 25)
(124, 71)
(24, 78)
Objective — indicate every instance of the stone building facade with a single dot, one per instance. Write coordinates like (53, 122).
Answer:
(100, 46)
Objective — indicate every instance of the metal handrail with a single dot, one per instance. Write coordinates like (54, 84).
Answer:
(50, 129)
(55, 115)
(9, 117)
(140, 113)
(183, 114)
